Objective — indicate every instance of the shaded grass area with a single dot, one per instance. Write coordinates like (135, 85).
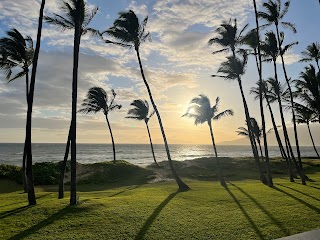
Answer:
(243, 210)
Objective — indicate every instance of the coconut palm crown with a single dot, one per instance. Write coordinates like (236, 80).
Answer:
(312, 53)
(200, 109)
(16, 51)
(140, 110)
(97, 100)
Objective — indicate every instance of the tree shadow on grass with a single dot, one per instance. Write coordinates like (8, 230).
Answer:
(125, 190)
(17, 203)
(317, 199)
(56, 216)
(317, 210)
(250, 220)
(308, 186)
(264, 210)
(154, 215)
(14, 211)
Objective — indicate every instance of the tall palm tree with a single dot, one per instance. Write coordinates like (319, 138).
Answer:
(200, 109)
(312, 53)
(140, 111)
(230, 38)
(77, 17)
(308, 86)
(128, 32)
(306, 115)
(28, 145)
(257, 133)
(97, 100)
(274, 15)
(17, 51)
(277, 93)
(232, 69)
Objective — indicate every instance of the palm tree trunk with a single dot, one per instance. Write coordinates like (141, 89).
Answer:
(283, 153)
(318, 65)
(247, 115)
(64, 166)
(221, 179)
(260, 148)
(181, 184)
(23, 169)
(76, 48)
(154, 157)
(112, 140)
(291, 101)
(314, 147)
(29, 173)
(265, 142)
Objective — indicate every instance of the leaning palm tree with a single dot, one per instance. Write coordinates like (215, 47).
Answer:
(274, 14)
(128, 32)
(200, 109)
(17, 51)
(77, 17)
(312, 53)
(232, 69)
(97, 100)
(230, 38)
(28, 145)
(140, 111)
(270, 98)
(306, 115)
(257, 133)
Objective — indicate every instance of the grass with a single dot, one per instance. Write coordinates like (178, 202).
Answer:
(246, 209)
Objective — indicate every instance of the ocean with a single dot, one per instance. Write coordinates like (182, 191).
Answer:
(140, 154)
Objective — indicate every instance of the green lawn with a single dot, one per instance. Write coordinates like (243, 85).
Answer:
(245, 210)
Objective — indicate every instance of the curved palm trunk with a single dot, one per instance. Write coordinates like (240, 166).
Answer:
(265, 142)
(314, 147)
(76, 48)
(221, 179)
(112, 140)
(291, 101)
(247, 115)
(29, 173)
(285, 132)
(63, 167)
(283, 153)
(154, 157)
(260, 148)
(181, 184)
(318, 65)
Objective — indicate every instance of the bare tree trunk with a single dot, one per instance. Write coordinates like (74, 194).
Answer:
(314, 146)
(112, 140)
(76, 48)
(221, 179)
(154, 157)
(23, 169)
(181, 184)
(64, 166)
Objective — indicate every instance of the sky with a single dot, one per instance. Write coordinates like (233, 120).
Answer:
(178, 65)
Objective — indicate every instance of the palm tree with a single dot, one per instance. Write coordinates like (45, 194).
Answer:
(129, 32)
(312, 53)
(277, 93)
(200, 109)
(306, 115)
(97, 100)
(229, 38)
(140, 111)
(17, 51)
(257, 133)
(28, 145)
(309, 89)
(77, 17)
(232, 69)
(274, 15)
(269, 98)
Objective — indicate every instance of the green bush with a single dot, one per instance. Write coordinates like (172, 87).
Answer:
(11, 172)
